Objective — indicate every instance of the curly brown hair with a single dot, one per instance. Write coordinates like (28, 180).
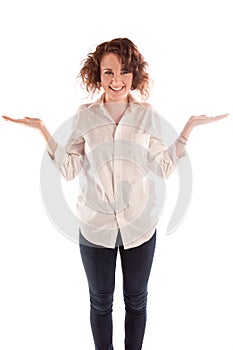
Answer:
(131, 59)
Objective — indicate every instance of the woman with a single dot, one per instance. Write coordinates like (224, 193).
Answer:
(115, 144)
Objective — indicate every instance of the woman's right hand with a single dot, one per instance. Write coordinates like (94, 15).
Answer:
(31, 122)
(37, 123)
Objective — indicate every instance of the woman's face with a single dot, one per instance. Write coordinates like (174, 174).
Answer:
(115, 81)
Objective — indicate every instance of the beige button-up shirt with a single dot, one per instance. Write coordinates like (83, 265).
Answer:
(121, 170)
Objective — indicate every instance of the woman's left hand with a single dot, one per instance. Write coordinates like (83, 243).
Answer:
(200, 120)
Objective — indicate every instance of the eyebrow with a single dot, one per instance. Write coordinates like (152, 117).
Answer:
(111, 68)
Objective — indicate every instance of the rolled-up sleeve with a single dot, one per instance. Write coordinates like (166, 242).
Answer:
(69, 160)
(163, 159)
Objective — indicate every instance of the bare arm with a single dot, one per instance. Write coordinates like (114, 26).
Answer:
(38, 124)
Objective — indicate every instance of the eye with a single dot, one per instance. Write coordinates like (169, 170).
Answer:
(124, 71)
(108, 72)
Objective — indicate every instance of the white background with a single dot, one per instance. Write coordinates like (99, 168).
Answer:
(44, 298)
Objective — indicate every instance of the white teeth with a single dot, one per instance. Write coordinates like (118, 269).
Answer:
(116, 89)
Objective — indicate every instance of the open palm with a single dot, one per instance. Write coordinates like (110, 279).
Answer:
(31, 122)
(204, 119)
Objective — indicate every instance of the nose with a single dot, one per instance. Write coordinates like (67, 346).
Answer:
(117, 78)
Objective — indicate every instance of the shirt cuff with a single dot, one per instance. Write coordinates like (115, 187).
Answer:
(58, 156)
(173, 150)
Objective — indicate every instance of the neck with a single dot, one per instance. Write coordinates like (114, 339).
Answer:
(116, 109)
(124, 100)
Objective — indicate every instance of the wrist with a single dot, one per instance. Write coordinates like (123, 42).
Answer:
(42, 127)
(182, 139)
(186, 131)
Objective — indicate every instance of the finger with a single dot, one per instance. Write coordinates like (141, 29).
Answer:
(8, 118)
(222, 115)
(13, 120)
(28, 119)
(219, 117)
(202, 116)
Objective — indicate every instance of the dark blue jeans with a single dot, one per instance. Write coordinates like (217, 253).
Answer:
(100, 264)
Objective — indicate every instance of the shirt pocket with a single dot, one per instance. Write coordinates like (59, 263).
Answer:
(141, 139)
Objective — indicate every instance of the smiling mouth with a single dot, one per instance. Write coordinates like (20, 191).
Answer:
(116, 89)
